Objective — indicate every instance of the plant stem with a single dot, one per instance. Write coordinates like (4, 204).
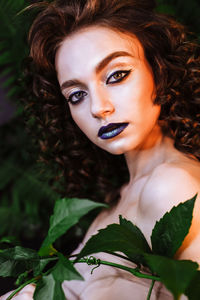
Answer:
(121, 256)
(33, 280)
(130, 270)
(150, 290)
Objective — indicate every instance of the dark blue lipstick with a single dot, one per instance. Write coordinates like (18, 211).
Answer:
(111, 130)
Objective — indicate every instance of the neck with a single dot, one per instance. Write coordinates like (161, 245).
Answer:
(141, 162)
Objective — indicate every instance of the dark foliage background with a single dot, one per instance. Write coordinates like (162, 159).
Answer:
(27, 192)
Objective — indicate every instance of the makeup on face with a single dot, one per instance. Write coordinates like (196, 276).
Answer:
(76, 97)
(75, 91)
(111, 130)
(110, 88)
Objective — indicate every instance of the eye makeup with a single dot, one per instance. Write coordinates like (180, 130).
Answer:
(76, 97)
(121, 74)
(115, 77)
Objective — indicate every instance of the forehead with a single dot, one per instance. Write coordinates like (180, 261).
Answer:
(87, 47)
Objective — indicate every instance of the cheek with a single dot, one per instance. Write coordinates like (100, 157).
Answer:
(137, 95)
(79, 122)
(151, 116)
(82, 120)
(76, 116)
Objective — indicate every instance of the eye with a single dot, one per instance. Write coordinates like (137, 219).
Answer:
(117, 76)
(76, 97)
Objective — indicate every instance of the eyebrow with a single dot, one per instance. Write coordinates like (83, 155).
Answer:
(101, 65)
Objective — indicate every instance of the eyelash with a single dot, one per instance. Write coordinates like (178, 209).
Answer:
(126, 72)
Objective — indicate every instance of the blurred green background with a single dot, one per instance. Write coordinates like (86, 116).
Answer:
(27, 191)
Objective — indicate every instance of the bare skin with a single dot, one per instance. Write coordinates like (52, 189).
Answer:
(151, 193)
(25, 294)
(160, 175)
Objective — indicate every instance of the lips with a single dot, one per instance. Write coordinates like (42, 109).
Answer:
(111, 130)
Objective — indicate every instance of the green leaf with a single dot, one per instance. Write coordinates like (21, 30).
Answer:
(8, 172)
(124, 237)
(167, 9)
(47, 251)
(49, 288)
(22, 278)
(64, 270)
(4, 58)
(5, 72)
(14, 261)
(13, 91)
(9, 240)
(5, 217)
(8, 82)
(193, 290)
(136, 232)
(67, 212)
(170, 231)
(43, 262)
(176, 275)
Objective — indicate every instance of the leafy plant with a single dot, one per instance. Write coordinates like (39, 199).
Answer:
(49, 268)
(20, 178)
(14, 27)
(187, 12)
(26, 192)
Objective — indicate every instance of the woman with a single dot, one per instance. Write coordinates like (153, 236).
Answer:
(128, 79)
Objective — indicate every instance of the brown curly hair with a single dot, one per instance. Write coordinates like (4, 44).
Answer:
(175, 61)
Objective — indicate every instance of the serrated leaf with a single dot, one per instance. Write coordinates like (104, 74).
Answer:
(49, 288)
(64, 270)
(170, 231)
(14, 261)
(124, 237)
(67, 212)
(193, 290)
(136, 232)
(176, 275)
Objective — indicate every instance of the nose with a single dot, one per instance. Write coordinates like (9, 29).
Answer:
(101, 105)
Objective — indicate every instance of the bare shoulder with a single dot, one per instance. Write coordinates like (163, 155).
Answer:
(167, 186)
(170, 184)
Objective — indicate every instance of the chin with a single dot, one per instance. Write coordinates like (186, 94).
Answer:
(117, 150)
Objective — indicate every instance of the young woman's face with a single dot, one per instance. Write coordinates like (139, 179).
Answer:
(109, 86)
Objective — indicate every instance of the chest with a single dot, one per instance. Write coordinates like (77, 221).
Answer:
(128, 206)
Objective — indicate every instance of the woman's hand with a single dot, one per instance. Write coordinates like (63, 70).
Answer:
(25, 294)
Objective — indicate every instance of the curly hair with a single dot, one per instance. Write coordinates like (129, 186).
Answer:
(175, 62)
